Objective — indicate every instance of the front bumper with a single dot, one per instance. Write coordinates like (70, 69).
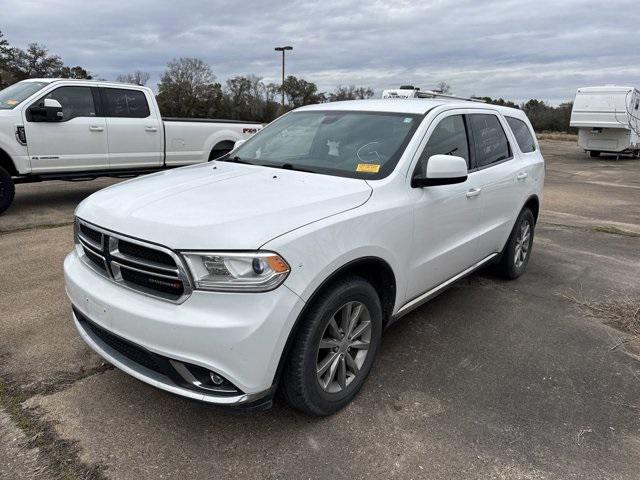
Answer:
(240, 336)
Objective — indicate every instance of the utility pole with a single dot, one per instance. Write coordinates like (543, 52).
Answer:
(283, 49)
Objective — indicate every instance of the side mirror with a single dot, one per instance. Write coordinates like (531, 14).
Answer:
(48, 111)
(442, 170)
(238, 143)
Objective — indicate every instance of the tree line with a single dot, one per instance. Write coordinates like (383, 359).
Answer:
(189, 88)
(35, 61)
(543, 117)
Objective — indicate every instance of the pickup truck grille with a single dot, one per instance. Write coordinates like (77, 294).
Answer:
(146, 268)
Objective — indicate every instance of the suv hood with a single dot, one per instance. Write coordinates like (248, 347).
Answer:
(220, 205)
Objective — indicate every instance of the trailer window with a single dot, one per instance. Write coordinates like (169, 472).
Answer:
(523, 134)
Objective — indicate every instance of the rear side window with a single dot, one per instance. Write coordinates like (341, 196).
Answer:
(120, 102)
(523, 135)
(448, 138)
(490, 142)
(75, 101)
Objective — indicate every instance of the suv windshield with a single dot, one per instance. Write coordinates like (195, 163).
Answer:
(12, 96)
(342, 143)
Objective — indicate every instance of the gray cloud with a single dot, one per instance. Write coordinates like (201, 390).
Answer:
(512, 49)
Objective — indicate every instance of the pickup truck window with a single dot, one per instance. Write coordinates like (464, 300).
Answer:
(448, 138)
(15, 94)
(75, 101)
(120, 102)
(342, 143)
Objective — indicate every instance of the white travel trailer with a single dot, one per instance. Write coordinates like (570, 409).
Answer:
(607, 119)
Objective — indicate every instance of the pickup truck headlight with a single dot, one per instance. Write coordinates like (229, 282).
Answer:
(237, 272)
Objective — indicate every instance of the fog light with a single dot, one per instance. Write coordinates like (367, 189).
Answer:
(216, 379)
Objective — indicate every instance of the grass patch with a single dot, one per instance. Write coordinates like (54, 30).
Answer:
(620, 310)
(34, 226)
(615, 231)
(561, 136)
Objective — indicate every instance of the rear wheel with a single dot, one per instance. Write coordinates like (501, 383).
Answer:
(517, 251)
(7, 190)
(335, 348)
(594, 153)
(220, 149)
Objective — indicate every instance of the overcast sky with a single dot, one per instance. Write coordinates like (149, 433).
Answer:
(512, 49)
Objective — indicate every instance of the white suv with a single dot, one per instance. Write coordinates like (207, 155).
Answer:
(282, 263)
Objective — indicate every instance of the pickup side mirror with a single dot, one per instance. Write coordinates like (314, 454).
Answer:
(442, 170)
(238, 143)
(48, 111)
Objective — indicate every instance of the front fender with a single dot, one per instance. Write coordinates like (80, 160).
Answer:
(16, 152)
(316, 251)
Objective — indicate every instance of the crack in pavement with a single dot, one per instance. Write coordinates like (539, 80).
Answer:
(49, 456)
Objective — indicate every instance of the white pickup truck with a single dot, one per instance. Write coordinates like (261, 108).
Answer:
(62, 129)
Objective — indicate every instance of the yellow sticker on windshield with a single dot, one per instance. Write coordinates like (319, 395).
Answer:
(368, 167)
(11, 102)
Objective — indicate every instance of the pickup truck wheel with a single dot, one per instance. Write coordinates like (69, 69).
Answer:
(515, 256)
(7, 190)
(334, 349)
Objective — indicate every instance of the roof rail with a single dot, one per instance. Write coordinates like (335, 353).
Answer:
(409, 91)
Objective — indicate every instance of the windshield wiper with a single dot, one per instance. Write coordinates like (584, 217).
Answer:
(235, 159)
(289, 166)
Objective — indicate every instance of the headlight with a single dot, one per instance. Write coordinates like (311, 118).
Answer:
(237, 272)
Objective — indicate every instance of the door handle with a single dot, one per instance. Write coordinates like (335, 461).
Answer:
(151, 129)
(473, 192)
(96, 128)
(522, 176)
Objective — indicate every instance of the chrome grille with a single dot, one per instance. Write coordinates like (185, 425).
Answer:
(146, 268)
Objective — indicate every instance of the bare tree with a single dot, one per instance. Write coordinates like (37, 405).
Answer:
(350, 93)
(442, 87)
(136, 78)
(36, 61)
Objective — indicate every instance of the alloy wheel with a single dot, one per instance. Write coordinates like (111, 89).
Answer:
(343, 347)
(522, 244)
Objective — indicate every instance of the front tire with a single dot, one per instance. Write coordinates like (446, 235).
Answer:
(334, 349)
(7, 190)
(517, 251)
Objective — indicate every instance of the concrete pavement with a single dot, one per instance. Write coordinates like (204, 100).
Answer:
(492, 379)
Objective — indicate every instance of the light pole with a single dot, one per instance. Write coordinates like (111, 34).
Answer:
(283, 49)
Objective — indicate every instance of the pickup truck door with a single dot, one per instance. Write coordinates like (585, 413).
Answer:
(135, 128)
(446, 217)
(78, 142)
